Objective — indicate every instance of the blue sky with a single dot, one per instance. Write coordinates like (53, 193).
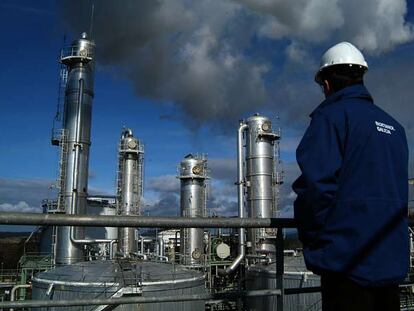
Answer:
(217, 62)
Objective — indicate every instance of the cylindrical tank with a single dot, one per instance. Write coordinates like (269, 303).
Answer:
(193, 176)
(260, 181)
(264, 277)
(129, 190)
(75, 142)
(106, 279)
(111, 233)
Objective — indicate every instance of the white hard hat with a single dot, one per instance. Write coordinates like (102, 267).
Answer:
(343, 53)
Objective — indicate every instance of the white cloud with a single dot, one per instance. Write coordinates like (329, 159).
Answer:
(20, 207)
(164, 183)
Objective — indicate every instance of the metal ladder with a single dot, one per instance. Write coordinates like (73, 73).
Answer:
(62, 171)
(54, 242)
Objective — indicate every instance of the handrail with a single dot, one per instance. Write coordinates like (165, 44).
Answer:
(162, 222)
(136, 300)
(8, 218)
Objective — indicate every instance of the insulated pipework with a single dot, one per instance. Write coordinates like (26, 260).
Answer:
(130, 188)
(75, 143)
(193, 175)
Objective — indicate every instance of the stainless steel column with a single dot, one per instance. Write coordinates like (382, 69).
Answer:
(130, 186)
(79, 59)
(260, 182)
(193, 175)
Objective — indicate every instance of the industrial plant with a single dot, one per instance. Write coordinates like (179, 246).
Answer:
(236, 266)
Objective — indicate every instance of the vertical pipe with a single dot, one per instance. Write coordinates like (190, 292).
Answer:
(240, 195)
(14, 289)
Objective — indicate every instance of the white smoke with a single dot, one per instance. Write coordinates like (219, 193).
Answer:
(202, 56)
(375, 26)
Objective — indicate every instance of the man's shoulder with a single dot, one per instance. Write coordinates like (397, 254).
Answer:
(354, 107)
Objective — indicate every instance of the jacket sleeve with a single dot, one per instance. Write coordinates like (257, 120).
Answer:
(319, 158)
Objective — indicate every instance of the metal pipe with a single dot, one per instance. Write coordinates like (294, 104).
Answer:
(161, 246)
(78, 147)
(111, 249)
(7, 218)
(88, 241)
(141, 240)
(240, 191)
(136, 299)
(14, 289)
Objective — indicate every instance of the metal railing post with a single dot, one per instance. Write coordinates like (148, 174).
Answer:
(279, 268)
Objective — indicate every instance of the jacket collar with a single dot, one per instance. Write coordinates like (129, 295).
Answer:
(354, 91)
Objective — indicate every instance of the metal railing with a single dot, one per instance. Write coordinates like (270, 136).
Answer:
(76, 52)
(156, 222)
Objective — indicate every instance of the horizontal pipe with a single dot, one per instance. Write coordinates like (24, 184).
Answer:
(141, 221)
(135, 300)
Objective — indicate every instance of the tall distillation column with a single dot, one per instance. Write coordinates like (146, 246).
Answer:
(193, 176)
(130, 188)
(261, 181)
(75, 142)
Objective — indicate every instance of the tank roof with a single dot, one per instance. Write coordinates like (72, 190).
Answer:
(116, 272)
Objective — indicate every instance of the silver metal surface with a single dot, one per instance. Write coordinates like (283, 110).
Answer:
(104, 303)
(260, 277)
(193, 176)
(144, 221)
(75, 143)
(240, 199)
(260, 181)
(130, 185)
(104, 282)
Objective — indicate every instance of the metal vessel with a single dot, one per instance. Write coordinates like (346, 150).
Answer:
(258, 172)
(123, 278)
(193, 175)
(130, 188)
(75, 143)
(260, 181)
(264, 277)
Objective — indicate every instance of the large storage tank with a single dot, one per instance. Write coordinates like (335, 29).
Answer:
(264, 277)
(106, 279)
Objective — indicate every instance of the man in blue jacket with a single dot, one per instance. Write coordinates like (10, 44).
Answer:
(351, 206)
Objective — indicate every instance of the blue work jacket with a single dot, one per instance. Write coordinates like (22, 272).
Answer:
(352, 195)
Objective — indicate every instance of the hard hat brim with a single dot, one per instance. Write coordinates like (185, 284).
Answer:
(318, 78)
